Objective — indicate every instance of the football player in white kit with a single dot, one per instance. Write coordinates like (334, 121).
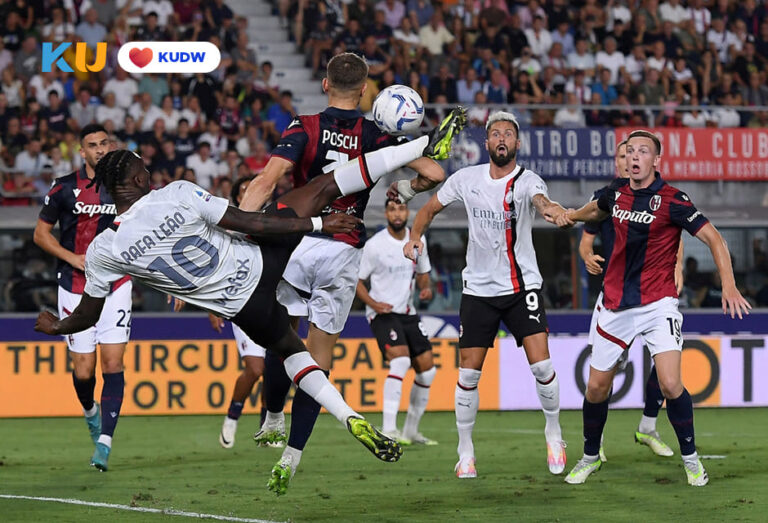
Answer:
(174, 240)
(392, 315)
(501, 279)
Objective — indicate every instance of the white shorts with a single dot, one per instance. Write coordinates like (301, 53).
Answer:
(659, 324)
(246, 346)
(114, 325)
(324, 272)
(593, 321)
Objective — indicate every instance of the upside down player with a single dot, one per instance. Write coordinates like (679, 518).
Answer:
(501, 279)
(83, 212)
(173, 240)
(646, 432)
(321, 277)
(640, 296)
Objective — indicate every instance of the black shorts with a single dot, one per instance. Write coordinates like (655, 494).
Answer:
(522, 313)
(393, 329)
(262, 318)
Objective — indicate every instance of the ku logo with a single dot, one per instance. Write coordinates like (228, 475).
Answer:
(53, 56)
(655, 202)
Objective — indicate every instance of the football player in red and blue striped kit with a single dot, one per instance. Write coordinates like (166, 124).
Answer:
(640, 296)
(83, 211)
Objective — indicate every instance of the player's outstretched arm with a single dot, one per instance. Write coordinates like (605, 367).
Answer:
(424, 217)
(546, 207)
(260, 224)
(589, 213)
(85, 316)
(733, 301)
(591, 260)
(260, 190)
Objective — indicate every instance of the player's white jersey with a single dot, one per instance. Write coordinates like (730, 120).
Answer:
(390, 272)
(500, 255)
(169, 241)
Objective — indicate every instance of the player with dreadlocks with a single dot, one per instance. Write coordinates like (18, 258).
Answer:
(174, 240)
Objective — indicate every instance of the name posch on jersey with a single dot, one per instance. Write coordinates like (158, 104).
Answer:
(142, 246)
(345, 141)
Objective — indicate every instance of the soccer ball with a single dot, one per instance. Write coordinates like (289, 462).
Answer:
(398, 110)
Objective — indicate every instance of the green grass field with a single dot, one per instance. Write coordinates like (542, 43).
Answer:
(176, 462)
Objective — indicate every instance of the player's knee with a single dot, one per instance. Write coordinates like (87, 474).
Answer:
(543, 371)
(399, 366)
(426, 377)
(469, 378)
(254, 367)
(83, 373)
(112, 366)
(597, 391)
(671, 387)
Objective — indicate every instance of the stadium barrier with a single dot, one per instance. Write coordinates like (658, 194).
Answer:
(178, 365)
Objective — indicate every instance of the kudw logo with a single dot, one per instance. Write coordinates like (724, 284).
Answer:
(169, 57)
(53, 56)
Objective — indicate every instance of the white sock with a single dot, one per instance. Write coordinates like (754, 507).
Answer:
(274, 418)
(307, 375)
(418, 403)
(647, 425)
(92, 411)
(590, 459)
(466, 403)
(362, 172)
(106, 440)
(691, 458)
(548, 389)
(295, 456)
(393, 388)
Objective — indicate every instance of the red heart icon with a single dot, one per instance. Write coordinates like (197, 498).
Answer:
(140, 57)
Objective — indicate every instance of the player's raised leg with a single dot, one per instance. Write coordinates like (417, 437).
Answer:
(646, 432)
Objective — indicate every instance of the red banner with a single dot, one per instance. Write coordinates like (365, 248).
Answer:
(711, 154)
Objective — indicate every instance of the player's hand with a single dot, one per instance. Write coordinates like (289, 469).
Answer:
(340, 223)
(412, 248)
(425, 294)
(46, 323)
(216, 323)
(78, 262)
(564, 221)
(381, 307)
(177, 303)
(734, 302)
(393, 193)
(679, 279)
(593, 264)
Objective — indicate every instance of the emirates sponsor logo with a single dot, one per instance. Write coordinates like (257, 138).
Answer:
(625, 215)
(92, 209)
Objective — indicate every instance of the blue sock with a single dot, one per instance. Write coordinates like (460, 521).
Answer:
(680, 413)
(111, 401)
(653, 396)
(84, 390)
(235, 409)
(594, 415)
(276, 383)
(304, 413)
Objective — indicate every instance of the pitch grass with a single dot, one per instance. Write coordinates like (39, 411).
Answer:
(176, 462)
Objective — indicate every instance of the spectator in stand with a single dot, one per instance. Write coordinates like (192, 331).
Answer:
(90, 30)
(378, 61)
(245, 59)
(258, 158)
(650, 92)
(761, 42)
(282, 113)
(695, 118)
(394, 11)
(673, 11)
(156, 85)
(13, 33)
(163, 9)
(407, 42)
(41, 84)
(382, 32)
(415, 83)
(497, 88)
(151, 31)
(59, 27)
(747, 63)
(435, 35)
(419, 11)
(682, 75)
(205, 168)
(109, 111)
(13, 139)
(124, 87)
(701, 16)
(360, 10)
(6, 57)
(27, 60)
(526, 83)
(194, 114)
(578, 86)
(721, 42)
(557, 62)
(485, 63)
(564, 37)
(539, 38)
(583, 60)
(57, 114)
(12, 88)
(18, 190)
(169, 162)
(551, 86)
(570, 115)
(228, 167)
(351, 38)
(31, 160)
(170, 116)
(467, 86)
(83, 112)
(183, 143)
(443, 84)
(216, 12)
(755, 92)
(319, 45)
(130, 134)
(229, 120)
(203, 87)
(606, 92)
(144, 112)
(59, 166)
(491, 37)
(650, 12)
(215, 139)
(725, 115)
(610, 58)
(526, 63)
(528, 12)
(157, 136)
